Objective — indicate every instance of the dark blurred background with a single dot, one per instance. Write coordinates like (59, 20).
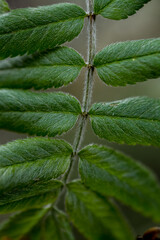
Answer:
(144, 24)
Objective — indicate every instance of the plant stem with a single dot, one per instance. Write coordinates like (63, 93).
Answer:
(87, 94)
(88, 85)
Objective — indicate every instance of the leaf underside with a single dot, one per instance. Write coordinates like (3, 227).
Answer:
(4, 7)
(26, 166)
(118, 9)
(55, 226)
(53, 68)
(36, 29)
(20, 224)
(129, 62)
(113, 174)
(38, 113)
(132, 121)
(93, 216)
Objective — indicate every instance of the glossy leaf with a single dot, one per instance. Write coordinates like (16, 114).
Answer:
(34, 195)
(54, 68)
(129, 62)
(27, 165)
(54, 226)
(96, 218)
(20, 224)
(38, 113)
(118, 9)
(132, 121)
(4, 6)
(113, 174)
(36, 29)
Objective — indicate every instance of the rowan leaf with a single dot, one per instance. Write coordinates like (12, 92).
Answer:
(132, 121)
(55, 226)
(38, 113)
(20, 224)
(26, 166)
(118, 9)
(53, 68)
(115, 175)
(34, 195)
(95, 217)
(129, 62)
(36, 29)
(4, 7)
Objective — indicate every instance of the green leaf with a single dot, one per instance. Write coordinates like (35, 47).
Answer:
(34, 195)
(96, 218)
(54, 226)
(38, 113)
(25, 165)
(129, 62)
(4, 6)
(20, 224)
(36, 29)
(54, 68)
(131, 121)
(113, 174)
(117, 9)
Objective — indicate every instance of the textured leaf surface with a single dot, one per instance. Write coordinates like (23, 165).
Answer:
(129, 62)
(113, 174)
(21, 223)
(118, 9)
(31, 29)
(34, 195)
(3, 6)
(96, 218)
(25, 165)
(54, 226)
(132, 121)
(54, 68)
(38, 113)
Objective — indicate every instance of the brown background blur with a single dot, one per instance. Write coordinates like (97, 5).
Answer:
(144, 24)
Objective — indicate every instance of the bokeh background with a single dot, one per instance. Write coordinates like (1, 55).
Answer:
(144, 24)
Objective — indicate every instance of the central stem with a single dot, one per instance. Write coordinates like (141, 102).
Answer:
(87, 92)
(88, 86)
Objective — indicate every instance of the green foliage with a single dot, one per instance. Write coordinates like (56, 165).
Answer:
(54, 226)
(129, 62)
(132, 121)
(113, 174)
(20, 224)
(117, 9)
(93, 215)
(25, 168)
(55, 68)
(36, 174)
(4, 7)
(36, 29)
(38, 113)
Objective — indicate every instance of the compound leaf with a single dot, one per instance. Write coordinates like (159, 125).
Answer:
(129, 62)
(118, 9)
(26, 166)
(4, 6)
(113, 174)
(20, 224)
(34, 195)
(38, 113)
(95, 217)
(36, 29)
(132, 121)
(55, 226)
(53, 68)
